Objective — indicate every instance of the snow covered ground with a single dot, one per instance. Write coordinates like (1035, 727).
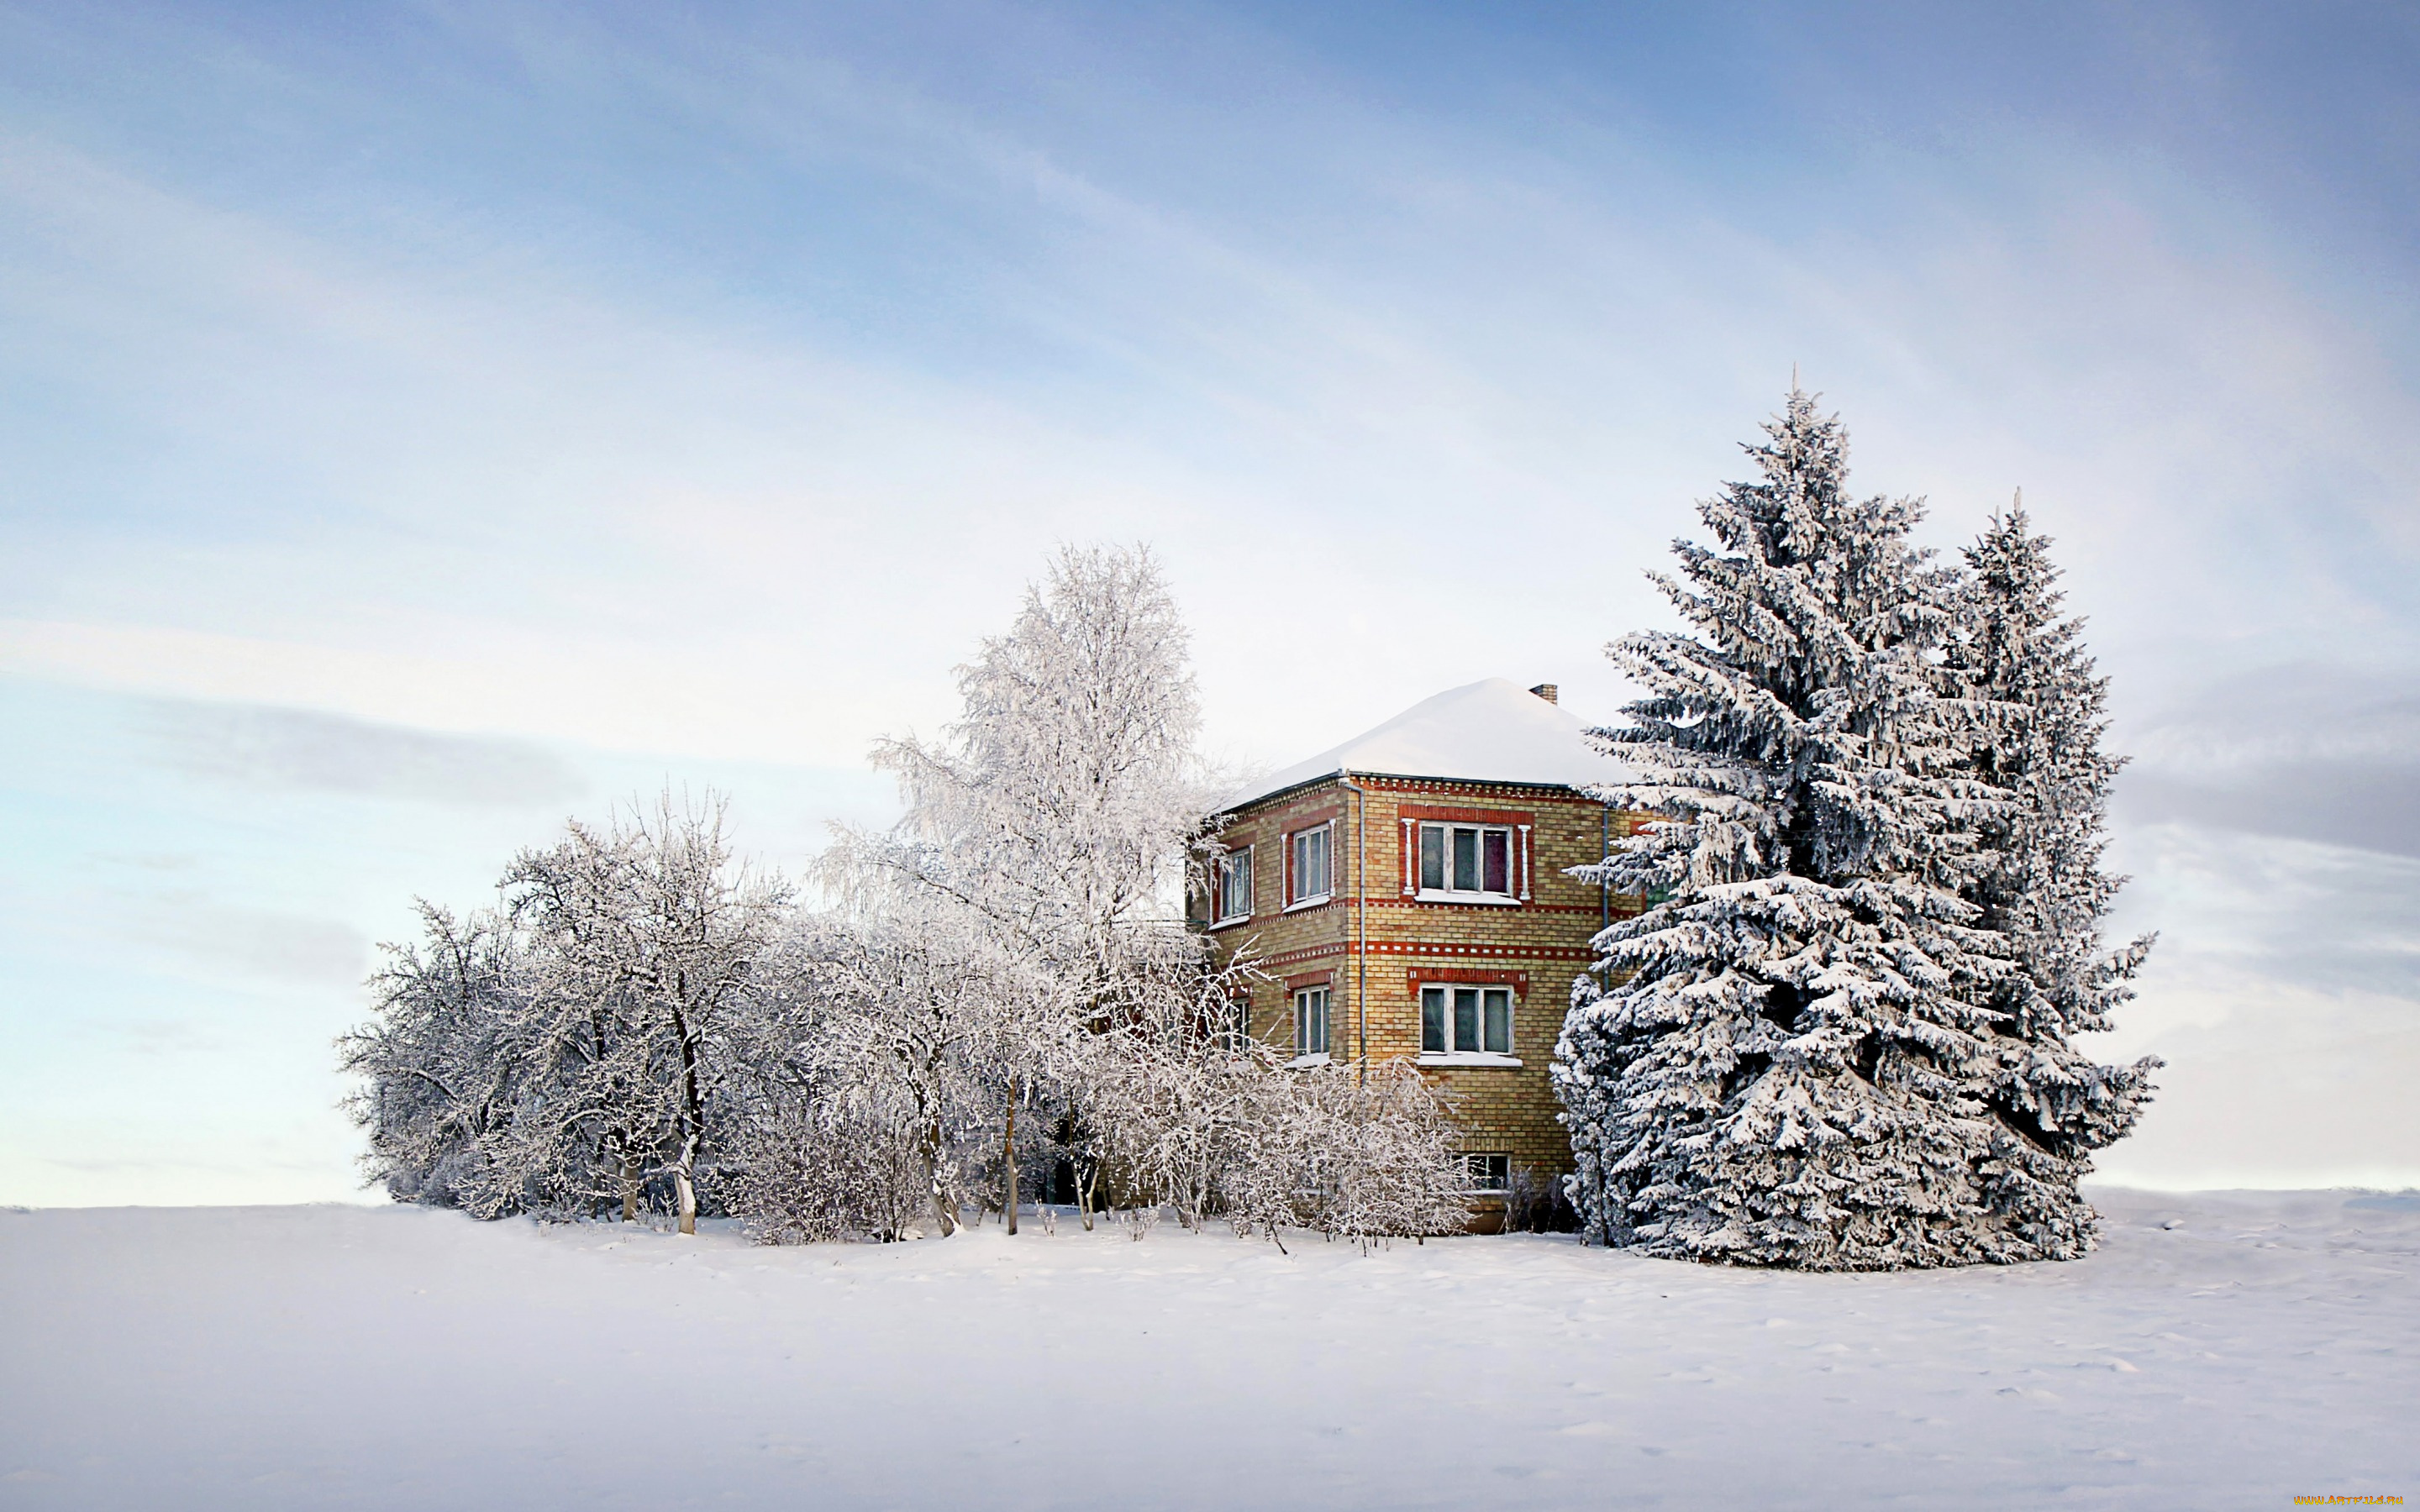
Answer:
(2220, 1351)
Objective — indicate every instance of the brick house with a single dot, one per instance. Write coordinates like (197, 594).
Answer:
(1407, 892)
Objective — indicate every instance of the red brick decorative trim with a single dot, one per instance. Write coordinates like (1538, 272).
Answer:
(1291, 820)
(1419, 975)
(1492, 952)
(1311, 978)
(1421, 905)
(1432, 814)
(1474, 786)
(1488, 952)
(1308, 953)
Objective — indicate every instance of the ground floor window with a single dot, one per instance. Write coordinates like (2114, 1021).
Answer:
(1490, 1173)
(1310, 1021)
(1471, 1019)
(1235, 1031)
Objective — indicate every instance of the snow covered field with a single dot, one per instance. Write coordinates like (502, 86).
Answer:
(2220, 1351)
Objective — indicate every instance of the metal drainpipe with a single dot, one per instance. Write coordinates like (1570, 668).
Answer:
(1361, 892)
(1604, 883)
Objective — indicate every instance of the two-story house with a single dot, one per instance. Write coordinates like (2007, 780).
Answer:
(1407, 892)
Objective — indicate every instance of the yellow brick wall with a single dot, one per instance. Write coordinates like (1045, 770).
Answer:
(1543, 941)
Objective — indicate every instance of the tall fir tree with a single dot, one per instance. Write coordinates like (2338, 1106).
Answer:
(1794, 1062)
(2045, 888)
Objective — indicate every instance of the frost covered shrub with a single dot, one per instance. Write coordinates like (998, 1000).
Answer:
(1362, 1158)
(831, 1171)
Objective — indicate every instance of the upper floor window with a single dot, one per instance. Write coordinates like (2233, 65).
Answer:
(1466, 1021)
(1307, 877)
(1231, 886)
(1466, 859)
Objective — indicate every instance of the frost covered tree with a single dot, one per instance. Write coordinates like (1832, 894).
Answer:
(1054, 819)
(854, 1113)
(1793, 1057)
(2044, 887)
(577, 1044)
(888, 1042)
(644, 943)
(441, 1060)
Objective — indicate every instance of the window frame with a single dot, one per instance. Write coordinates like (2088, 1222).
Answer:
(1514, 834)
(1238, 861)
(1294, 841)
(1480, 1184)
(1307, 1012)
(1448, 1051)
(1233, 1029)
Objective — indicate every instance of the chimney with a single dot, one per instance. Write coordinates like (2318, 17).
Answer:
(1547, 691)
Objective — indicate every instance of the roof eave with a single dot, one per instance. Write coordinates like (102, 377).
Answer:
(1333, 775)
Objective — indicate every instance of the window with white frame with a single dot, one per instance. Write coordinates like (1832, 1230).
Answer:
(1310, 1021)
(1472, 861)
(1466, 1021)
(1231, 886)
(1489, 1173)
(1233, 1030)
(1307, 877)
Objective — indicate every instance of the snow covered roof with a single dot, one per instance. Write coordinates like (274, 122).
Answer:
(1487, 732)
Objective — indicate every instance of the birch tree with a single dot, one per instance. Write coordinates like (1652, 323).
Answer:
(1055, 816)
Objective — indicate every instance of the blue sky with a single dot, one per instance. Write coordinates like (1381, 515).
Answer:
(425, 423)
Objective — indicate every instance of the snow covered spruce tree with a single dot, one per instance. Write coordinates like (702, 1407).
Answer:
(2043, 886)
(1795, 1062)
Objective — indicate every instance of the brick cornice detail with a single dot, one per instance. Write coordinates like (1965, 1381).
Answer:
(1438, 950)
(1430, 813)
(1467, 976)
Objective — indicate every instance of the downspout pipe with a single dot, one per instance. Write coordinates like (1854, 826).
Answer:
(1361, 922)
(1604, 883)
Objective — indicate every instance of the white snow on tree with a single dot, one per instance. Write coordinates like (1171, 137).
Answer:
(1795, 1055)
(575, 1046)
(2045, 888)
(1002, 984)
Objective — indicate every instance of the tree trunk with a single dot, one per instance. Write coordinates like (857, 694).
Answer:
(629, 1187)
(1085, 1195)
(944, 1212)
(1009, 1148)
(687, 1202)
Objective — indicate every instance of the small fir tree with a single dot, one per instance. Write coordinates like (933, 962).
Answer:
(2045, 888)
(1793, 1060)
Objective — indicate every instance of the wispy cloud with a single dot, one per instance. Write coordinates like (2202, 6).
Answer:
(284, 749)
